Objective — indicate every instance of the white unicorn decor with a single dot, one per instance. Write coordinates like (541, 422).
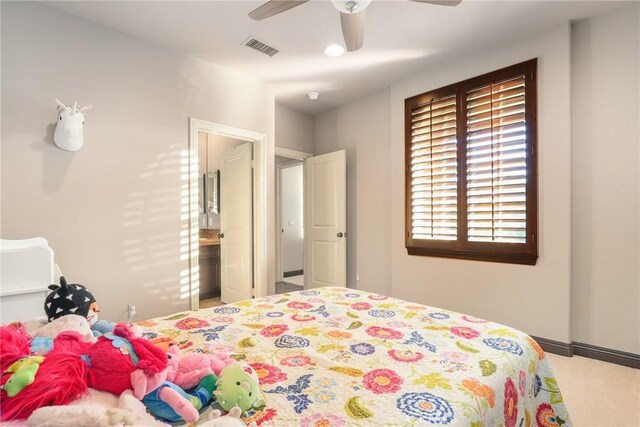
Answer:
(70, 124)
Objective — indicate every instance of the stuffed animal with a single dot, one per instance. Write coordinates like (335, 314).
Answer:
(73, 298)
(169, 402)
(122, 361)
(232, 419)
(15, 344)
(70, 322)
(96, 409)
(115, 363)
(70, 299)
(238, 386)
(57, 379)
(187, 369)
(115, 357)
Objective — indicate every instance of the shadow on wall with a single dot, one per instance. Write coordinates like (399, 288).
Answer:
(55, 162)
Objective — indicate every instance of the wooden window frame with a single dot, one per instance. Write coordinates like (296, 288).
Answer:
(514, 253)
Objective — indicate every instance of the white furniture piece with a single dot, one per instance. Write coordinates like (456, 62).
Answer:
(26, 271)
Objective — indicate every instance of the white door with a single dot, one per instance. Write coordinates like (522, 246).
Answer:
(236, 213)
(326, 220)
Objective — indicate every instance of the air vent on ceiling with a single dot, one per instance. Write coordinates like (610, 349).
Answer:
(260, 47)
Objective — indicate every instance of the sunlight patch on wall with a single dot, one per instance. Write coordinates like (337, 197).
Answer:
(189, 278)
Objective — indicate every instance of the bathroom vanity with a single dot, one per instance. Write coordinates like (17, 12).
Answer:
(209, 260)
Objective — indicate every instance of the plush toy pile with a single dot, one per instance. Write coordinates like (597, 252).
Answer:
(59, 371)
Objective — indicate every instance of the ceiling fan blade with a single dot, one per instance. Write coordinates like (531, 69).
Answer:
(353, 29)
(440, 2)
(274, 7)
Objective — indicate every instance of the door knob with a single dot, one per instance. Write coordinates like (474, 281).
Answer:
(221, 235)
(340, 234)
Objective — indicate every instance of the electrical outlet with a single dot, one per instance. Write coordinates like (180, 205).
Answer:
(131, 310)
(357, 277)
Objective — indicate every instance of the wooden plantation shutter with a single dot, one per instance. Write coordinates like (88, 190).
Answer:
(496, 162)
(471, 184)
(434, 164)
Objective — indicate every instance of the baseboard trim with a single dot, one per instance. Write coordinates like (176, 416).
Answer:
(293, 273)
(555, 347)
(618, 357)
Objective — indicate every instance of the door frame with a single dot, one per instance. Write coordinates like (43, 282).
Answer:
(294, 155)
(259, 141)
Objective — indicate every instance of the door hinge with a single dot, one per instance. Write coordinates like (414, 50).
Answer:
(533, 238)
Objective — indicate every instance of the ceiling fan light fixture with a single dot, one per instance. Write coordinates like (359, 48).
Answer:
(313, 95)
(350, 6)
(334, 50)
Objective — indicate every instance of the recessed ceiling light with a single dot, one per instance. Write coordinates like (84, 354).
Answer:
(334, 50)
(313, 95)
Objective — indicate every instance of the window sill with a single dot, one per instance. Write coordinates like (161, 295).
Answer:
(510, 258)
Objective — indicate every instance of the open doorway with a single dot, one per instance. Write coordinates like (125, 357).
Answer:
(220, 166)
(290, 244)
(227, 218)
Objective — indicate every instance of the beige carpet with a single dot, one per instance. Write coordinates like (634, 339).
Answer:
(598, 394)
(210, 302)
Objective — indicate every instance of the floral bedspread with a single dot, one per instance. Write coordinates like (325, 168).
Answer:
(337, 357)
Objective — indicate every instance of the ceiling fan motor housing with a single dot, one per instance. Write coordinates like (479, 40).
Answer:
(350, 6)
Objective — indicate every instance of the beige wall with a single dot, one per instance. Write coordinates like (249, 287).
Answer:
(112, 211)
(606, 181)
(362, 128)
(586, 284)
(294, 129)
(534, 299)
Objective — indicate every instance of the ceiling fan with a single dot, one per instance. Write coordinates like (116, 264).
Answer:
(352, 15)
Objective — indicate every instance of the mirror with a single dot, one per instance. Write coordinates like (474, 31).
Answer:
(211, 193)
(209, 185)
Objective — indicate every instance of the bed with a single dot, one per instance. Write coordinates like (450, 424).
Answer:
(26, 269)
(337, 357)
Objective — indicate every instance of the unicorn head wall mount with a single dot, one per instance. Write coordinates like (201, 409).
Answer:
(68, 134)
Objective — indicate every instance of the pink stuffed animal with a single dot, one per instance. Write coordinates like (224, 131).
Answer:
(186, 370)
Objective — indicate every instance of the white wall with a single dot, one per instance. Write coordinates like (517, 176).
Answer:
(291, 180)
(294, 129)
(112, 211)
(606, 180)
(362, 128)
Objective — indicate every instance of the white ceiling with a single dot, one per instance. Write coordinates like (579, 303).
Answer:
(401, 39)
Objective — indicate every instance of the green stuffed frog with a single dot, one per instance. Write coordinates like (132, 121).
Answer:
(23, 373)
(238, 386)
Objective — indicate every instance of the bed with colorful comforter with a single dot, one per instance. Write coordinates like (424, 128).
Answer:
(337, 357)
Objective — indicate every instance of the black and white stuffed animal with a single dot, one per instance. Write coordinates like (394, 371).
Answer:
(70, 298)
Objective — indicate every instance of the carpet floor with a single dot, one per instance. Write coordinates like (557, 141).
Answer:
(598, 394)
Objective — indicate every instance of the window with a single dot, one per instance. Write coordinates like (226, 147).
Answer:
(470, 168)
